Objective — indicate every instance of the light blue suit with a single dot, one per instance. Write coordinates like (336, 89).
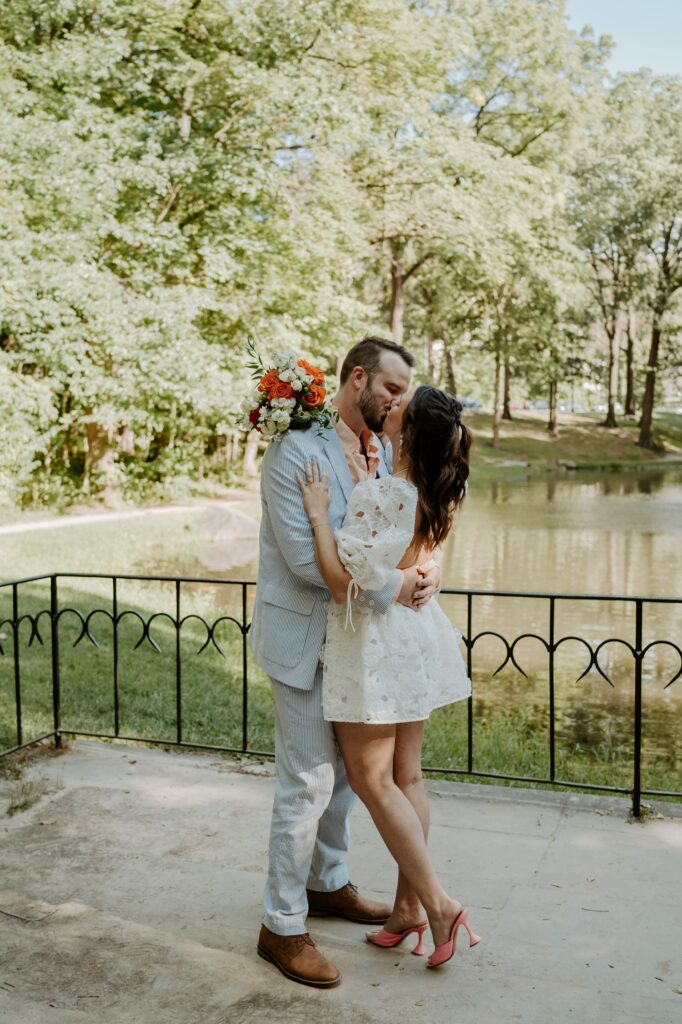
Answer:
(309, 834)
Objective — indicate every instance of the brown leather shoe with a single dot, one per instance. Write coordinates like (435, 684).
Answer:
(297, 958)
(347, 902)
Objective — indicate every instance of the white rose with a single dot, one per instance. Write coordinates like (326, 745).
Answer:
(296, 384)
(286, 359)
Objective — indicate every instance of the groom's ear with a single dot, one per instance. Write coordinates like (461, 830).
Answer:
(358, 376)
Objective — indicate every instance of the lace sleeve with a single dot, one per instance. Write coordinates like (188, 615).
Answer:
(377, 530)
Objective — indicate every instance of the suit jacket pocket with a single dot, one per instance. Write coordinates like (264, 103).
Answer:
(286, 614)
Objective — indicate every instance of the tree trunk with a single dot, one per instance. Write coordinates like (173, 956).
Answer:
(186, 115)
(126, 441)
(552, 426)
(173, 424)
(250, 465)
(100, 461)
(612, 377)
(630, 365)
(397, 300)
(450, 385)
(646, 439)
(428, 360)
(506, 402)
(496, 394)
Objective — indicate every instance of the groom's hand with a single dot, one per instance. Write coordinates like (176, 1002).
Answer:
(428, 585)
(411, 586)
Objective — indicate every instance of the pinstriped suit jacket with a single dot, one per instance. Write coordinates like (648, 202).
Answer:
(290, 614)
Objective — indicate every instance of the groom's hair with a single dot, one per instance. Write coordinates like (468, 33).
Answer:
(367, 354)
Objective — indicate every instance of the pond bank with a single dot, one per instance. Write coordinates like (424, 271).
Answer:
(581, 443)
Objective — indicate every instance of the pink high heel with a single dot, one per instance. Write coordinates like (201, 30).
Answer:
(389, 939)
(446, 950)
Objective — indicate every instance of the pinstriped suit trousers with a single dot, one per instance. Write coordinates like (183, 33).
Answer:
(309, 834)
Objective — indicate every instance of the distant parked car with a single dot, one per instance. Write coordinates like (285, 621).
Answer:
(603, 407)
(469, 403)
(540, 404)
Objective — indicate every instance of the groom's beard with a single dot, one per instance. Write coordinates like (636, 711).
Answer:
(372, 413)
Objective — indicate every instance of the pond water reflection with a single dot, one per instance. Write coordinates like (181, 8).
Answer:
(586, 533)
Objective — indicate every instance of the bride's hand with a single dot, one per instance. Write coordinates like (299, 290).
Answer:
(316, 492)
(429, 583)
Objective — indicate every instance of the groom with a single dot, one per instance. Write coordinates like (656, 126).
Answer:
(309, 834)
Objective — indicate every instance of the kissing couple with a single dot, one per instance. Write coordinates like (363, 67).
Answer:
(358, 652)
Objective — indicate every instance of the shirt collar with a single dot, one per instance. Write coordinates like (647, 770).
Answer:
(347, 436)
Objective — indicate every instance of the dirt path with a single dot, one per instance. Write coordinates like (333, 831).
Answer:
(78, 518)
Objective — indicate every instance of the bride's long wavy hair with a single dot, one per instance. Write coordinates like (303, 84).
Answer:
(437, 445)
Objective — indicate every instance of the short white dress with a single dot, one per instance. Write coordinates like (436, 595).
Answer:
(395, 666)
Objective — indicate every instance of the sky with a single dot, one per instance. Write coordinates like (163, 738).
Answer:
(647, 33)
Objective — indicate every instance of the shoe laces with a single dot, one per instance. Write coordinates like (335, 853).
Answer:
(300, 940)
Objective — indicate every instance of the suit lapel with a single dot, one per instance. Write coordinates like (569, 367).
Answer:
(337, 457)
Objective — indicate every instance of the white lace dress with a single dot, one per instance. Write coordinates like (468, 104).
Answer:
(397, 666)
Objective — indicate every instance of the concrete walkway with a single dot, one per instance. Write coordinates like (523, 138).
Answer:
(130, 893)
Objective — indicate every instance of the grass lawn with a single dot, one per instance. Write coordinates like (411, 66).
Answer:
(581, 440)
(162, 544)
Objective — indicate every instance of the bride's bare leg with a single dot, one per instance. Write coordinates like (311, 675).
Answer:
(368, 752)
(407, 775)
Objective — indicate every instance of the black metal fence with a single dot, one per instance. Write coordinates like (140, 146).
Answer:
(32, 627)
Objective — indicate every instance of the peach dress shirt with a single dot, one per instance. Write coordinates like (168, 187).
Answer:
(362, 453)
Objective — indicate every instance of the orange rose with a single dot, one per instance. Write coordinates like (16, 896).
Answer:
(281, 390)
(314, 371)
(315, 396)
(268, 382)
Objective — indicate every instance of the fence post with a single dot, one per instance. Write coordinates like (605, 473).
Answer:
(56, 690)
(178, 667)
(117, 688)
(552, 708)
(17, 671)
(637, 779)
(470, 701)
(245, 678)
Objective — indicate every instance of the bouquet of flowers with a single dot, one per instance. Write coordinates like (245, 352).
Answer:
(289, 395)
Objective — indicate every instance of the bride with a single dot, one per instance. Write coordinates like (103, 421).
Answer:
(384, 674)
